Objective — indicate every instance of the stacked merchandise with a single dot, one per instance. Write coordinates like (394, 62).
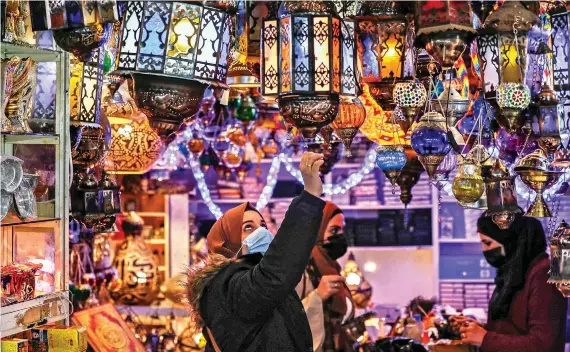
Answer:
(229, 190)
(466, 295)
(421, 193)
(48, 338)
(366, 192)
(251, 188)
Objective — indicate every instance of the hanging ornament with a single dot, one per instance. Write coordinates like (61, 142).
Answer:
(233, 156)
(430, 141)
(391, 159)
(468, 185)
(559, 273)
(501, 194)
(410, 97)
(410, 175)
(107, 62)
(350, 117)
(448, 164)
(534, 172)
(196, 147)
(512, 98)
(236, 136)
(247, 111)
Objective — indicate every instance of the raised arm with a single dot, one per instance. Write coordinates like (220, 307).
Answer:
(257, 292)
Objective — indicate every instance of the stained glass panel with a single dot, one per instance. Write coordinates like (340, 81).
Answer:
(369, 51)
(182, 39)
(301, 49)
(212, 29)
(489, 53)
(131, 31)
(335, 56)
(85, 87)
(224, 50)
(58, 15)
(44, 99)
(152, 46)
(512, 63)
(392, 36)
(561, 48)
(348, 58)
(321, 45)
(285, 73)
(269, 52)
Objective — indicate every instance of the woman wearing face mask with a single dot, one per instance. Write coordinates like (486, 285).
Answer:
(526, 314)
(324, 294)
(243, 294)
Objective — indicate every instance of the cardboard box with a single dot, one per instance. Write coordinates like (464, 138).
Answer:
(14, 345)
(63, 338)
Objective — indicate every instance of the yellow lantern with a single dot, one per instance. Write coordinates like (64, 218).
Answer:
(468, 185)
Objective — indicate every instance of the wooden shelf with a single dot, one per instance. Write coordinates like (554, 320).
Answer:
(46, 309)
(15, 221)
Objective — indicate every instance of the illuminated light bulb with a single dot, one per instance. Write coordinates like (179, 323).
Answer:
(370, 267)
(353, 279)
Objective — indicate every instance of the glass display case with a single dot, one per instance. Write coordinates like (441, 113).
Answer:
(34, 182)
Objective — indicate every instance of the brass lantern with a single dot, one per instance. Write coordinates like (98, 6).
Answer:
(445, 29)
(308, 61)
(501, 194)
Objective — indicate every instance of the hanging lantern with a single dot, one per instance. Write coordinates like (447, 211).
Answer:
(137, 267)
(560, 21)
(503, 59)
(545, 119)
(451, 104)
(501, 194)
(350, 117)
(430, 141)
(247, 110)
(134, 148)
(534, 172)
(82, 42)
(382, 50)
(512, 98)
(410, 97)
(85, 200)
(47, 15)
(85, 90)
(409, 175)
(468, 185)
(391, 159)
(109, 203)
(559, 274)
(301, 63)
(93, 144)
(445, 28)
(448, 164)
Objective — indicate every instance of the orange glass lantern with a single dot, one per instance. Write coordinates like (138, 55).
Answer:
(350, 117)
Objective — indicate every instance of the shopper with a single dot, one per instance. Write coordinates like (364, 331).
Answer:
(243, 295)
(325, 296)
(526, 314)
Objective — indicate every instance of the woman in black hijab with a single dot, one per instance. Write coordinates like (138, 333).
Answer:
(525, 312)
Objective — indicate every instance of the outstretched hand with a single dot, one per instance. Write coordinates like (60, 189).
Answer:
(310, 165)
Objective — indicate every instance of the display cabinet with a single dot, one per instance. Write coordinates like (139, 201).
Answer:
(34, 232)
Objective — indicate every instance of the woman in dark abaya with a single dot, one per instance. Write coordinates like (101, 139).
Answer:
(526, 314)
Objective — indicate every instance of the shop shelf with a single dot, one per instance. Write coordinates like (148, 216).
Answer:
(459, 240)
(15, 221)
(26, 315)
(30, 139)
(38, 54)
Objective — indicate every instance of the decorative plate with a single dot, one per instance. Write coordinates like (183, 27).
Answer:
(10, 173)
(24, 200)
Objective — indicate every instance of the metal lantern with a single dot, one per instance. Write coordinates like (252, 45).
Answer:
(501, 194)
(448, 164)
(85, 90)
(82, 42)
(559, 273)
(444, 28)
(134, 148)
(382, 50)
(468, 185)
(177, 39)
(430, 140)
(109, 203)
(47, 14)
(504, 59)
(409, 175)
(560, 21)
(350, 117)
(84, 194)
(545, 120)
(308, 61)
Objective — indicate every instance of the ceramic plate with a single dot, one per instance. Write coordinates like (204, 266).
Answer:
(24, 200)
(10, 173)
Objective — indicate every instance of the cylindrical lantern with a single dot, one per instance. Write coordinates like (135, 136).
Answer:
(545, 120)
(85, 90)
(430, 140)
(468, 185)
(559, 273)
(308, 61)
(445, 28)
(560, 20)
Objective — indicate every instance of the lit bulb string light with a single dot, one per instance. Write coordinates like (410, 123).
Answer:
(343, 186)
(203, 187)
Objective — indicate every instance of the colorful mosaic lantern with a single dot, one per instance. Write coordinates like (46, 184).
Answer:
(430, 140)
(410, 97)
(512, 98)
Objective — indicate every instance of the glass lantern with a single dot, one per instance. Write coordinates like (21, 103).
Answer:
(560, 20)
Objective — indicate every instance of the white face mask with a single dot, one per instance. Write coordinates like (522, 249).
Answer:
(258, 241)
